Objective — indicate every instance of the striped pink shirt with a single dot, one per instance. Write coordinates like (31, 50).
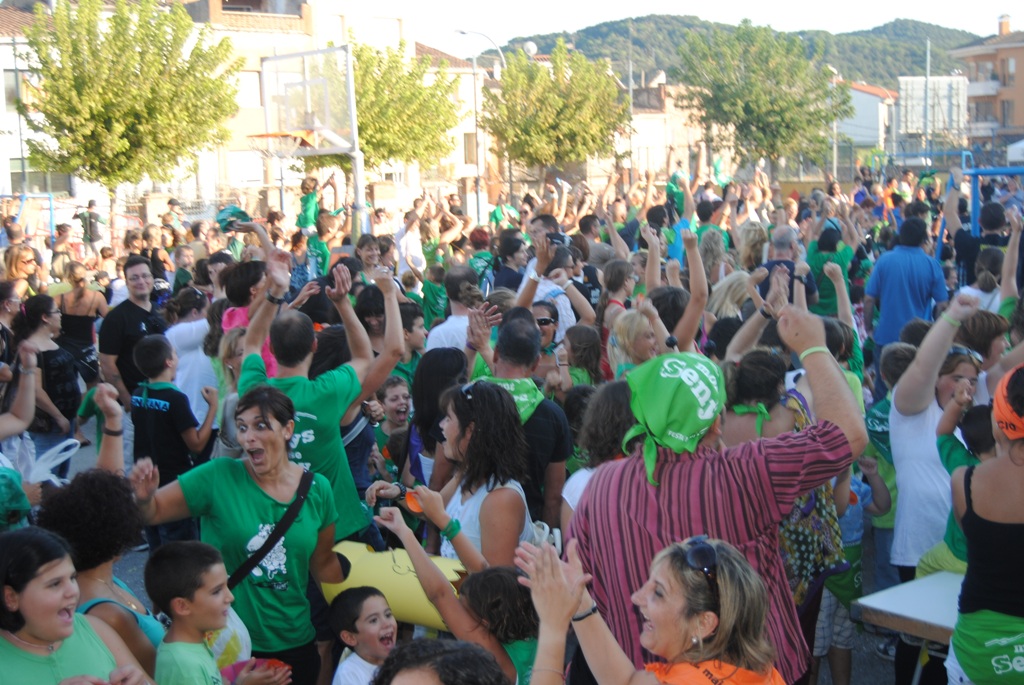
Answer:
(739, 495)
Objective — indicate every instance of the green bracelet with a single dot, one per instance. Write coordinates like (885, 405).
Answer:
(950, 320)
(451, 530)
(812, 350)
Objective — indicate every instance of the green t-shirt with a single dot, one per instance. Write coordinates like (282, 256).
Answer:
(1007, 307)
(185, 663)
(414, 297)
(407, 369)
(181, 279)
(827, 304)
(435, 299)
(954, 455)
(309, 210)
(237, 517)
(706, 227)
(89, 408)
(319, 406)
(480, 262)
(322, 252)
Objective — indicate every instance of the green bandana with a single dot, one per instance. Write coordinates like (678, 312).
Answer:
(759, 409)
(229, 215)
(675, 399)
(525, 393)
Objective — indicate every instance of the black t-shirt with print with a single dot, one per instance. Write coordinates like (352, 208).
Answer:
(160, 418)
(124, 326)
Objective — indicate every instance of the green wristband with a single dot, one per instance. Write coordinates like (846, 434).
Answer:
(950, 320)
(451, 530)
(812, 350)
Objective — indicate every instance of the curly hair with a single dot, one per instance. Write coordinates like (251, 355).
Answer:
(215, 315)
(453, 662)
(496, 597)
(607, 420)
(497, 450)
(96, 513)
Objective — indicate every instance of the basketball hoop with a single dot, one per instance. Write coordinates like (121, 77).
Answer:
(275, 145)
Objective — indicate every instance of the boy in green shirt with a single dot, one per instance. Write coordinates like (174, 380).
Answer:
(187, 581)
(435, 298)
(326, 228)
(415, 334)
(184, 260)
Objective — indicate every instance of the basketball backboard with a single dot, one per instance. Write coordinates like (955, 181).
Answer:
(311, 96)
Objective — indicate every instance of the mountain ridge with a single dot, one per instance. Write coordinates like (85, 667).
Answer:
(877, 56)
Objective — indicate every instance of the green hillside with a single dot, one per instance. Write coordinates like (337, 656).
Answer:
(878, 56)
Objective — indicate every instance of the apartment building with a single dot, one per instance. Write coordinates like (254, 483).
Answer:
(995, 95)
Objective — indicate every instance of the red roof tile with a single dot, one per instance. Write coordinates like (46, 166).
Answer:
(436, 57)
(13, 21)
(877, 91)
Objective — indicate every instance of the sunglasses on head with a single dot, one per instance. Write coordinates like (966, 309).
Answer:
(467, 391)
(701, 556)
(965, 351)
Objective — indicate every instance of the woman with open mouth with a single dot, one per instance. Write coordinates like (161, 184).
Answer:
(42, 640)
(703, 609)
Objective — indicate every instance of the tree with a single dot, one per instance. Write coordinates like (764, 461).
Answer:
(401, 117)
(127, 97)
(541, 117)
(757, 91)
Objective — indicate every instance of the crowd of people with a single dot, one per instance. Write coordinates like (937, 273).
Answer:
(650, 423)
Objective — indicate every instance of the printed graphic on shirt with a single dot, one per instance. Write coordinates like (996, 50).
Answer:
(1007, 663)
(275, 563)
(301, 437)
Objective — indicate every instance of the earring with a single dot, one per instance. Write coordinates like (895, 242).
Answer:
(694, 640)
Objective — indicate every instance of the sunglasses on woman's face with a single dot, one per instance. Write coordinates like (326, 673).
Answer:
(545, 321)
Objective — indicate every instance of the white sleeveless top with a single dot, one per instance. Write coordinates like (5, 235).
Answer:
(468, 514)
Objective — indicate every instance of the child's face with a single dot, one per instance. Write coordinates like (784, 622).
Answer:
(396, 404)
(187, 260)
(416, 338)
(209, 606)
(951, 280)
(376, 630)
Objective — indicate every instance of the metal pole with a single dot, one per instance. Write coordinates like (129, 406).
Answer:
(504, 66)
(21, 139)
(927, 79)
(359, 200)
(476, 139)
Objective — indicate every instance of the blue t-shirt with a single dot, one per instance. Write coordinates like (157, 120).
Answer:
(904, 283)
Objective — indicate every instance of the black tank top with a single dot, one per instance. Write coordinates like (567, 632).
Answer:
(156, 265)
(78, 327)
(995, 562)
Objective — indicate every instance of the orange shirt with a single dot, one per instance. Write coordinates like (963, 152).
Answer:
(711, 673)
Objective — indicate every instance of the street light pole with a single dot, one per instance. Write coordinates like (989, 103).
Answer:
(476, 140)
(504, 66)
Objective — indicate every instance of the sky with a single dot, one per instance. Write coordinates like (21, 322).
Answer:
(435, 23)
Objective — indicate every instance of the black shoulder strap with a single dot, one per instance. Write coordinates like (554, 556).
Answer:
(279, 530)
(968, 475)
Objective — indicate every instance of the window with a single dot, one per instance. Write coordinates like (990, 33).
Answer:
(38, 181)
(1011, 71)
(249, 95)
(469, 144)
(1007, 113)
(10, 91)
(984, 112)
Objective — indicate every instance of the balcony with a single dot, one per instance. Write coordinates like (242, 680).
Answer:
(981, 89)
(982, 129)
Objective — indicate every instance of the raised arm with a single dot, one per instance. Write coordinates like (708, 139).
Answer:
(1008, 283)
(110, 456)
(441, 594)
(845, 308)
(358, 340)
(652, 272)
(383, 364)
(23, 408)
(950, 208)
(916, 389)
(804, 333)
(689, 323)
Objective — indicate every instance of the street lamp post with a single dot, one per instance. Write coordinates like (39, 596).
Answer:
(508, 159)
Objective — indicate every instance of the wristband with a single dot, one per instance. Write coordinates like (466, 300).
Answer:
(811, 350)
(113, 433)
(950, 320)
(401, 490)
(586, 614)
(533, 276)
(802, 279)
(671, 341)
(471, 346)
(765, 313)
(451, 530)
(274, 300)
(28, 372)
